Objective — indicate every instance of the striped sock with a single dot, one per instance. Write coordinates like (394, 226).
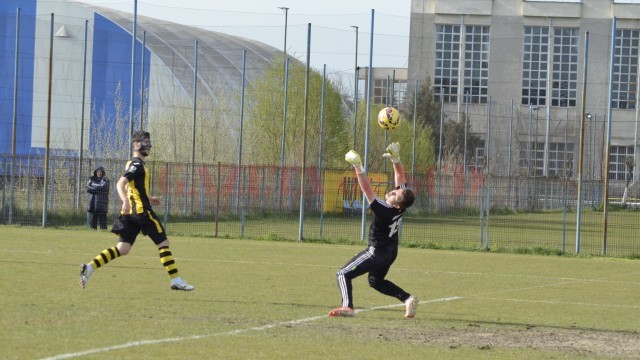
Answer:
(167, 261)
(105, 256)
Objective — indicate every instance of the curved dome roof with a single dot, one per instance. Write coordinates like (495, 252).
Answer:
(219, 55)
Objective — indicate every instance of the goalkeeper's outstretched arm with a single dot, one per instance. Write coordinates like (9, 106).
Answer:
(393, 154)
(365, 186)
(398, 169)
(353, 158)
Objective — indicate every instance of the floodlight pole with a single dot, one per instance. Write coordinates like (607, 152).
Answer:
(304, 135)
(355, 91)
(193, 127)
(284, 107)
(84, 93)
(45, 194)
(581, 144)
(605, 202)
(142, 88)
(133, 74)
(363, 221)
(589, 116)
(286, 18)
(15, 117)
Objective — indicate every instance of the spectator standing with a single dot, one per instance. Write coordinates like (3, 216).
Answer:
(98, 206)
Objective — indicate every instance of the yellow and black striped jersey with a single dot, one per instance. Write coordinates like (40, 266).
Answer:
(138, 189)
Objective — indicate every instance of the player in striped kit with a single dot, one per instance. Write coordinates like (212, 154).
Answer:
(137, 216)
(382, 251)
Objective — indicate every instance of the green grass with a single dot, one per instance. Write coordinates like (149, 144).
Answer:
(268, 300)
(540, 232)
(550, 233)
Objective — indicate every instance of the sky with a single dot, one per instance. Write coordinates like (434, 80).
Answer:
(333, 40)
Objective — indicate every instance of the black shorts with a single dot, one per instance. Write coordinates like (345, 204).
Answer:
(129, 226)
(375, 261)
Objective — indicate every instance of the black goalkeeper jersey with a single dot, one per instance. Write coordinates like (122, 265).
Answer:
(383, 231)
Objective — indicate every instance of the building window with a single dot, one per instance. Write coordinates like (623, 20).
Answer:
(560, 159)
(534, 65)
(382, 92)
(476, 64)
(560, 162)
(445, 80)
(399, 94)
(625, 70)
(617, 162)
(479, 160)
(565, 67)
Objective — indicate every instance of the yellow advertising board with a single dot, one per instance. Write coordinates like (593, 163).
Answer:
(342, 191)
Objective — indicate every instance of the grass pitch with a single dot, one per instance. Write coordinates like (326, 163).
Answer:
(269, 300)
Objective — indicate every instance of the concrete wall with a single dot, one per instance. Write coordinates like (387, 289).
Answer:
(66, 76)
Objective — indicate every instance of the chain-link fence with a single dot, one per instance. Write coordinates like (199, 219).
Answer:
(458, 211)
(220, 107)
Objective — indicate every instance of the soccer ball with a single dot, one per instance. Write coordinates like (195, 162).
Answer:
(388, 118)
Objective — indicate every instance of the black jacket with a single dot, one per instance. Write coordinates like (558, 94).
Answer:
(98, 189)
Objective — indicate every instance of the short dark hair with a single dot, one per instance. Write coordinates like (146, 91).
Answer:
(140, 135)
(408, 198)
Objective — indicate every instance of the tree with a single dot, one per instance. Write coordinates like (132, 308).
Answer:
(428, 115)
(454, 140)
(264, 121)
(171, 127)
(427, 109)
(404, 134)
(172, 130)
(108, 135)
(425, 154)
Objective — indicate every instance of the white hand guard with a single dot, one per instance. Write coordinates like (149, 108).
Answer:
(353, 158)
(393, 152)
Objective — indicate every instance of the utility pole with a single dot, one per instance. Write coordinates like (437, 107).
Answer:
(355, 91)
(286, 18)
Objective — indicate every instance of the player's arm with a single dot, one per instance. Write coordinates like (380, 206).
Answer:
(121, 187)
(399, 173)
(353, 158)
(393, 154)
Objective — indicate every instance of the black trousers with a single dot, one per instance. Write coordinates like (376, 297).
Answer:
(98, 218)
(376, 262)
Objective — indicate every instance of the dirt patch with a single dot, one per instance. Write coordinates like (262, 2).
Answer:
(585, 342)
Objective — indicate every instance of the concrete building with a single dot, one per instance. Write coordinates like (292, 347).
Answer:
(389, 86)
(517, 67)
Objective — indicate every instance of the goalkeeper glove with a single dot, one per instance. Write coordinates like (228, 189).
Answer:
(353, 158)
(393, 152)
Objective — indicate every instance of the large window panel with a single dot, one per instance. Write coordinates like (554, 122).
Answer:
(617, 162)
(560, 162)
(534, 65)
(625, 69)
(475, 66)
(565, 67)
(447, 62)
(476, 63)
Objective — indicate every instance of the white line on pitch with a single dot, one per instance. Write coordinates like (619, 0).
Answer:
(609, 305)
(232, 332)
